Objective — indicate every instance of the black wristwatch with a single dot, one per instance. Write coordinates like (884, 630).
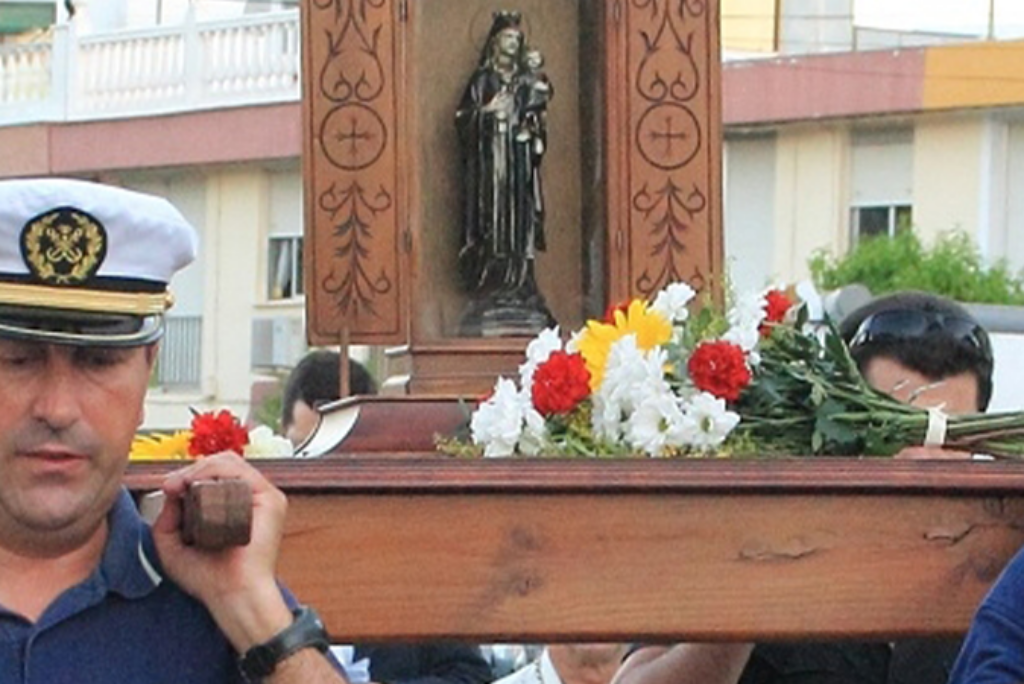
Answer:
(307, 631)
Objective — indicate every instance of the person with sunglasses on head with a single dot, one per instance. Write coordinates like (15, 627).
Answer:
(89, 593)
(925, 350)
(930, 352)
(920, 348)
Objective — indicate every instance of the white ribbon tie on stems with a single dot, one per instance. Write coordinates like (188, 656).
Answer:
(935, 435)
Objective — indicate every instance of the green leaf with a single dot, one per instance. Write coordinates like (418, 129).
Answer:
(839, 440)
(818, 394)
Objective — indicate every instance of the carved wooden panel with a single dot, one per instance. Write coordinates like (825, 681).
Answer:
(353, 192)
(664, 178)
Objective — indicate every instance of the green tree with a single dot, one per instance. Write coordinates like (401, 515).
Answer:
(952, 267)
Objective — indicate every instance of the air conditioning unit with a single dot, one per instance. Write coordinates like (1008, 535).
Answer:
(278, 342)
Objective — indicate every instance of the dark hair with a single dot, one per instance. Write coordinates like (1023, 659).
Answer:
(951, 343)
(315, 380)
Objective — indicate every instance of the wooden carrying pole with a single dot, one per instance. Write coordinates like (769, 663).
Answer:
(344, 373)
(582, 550)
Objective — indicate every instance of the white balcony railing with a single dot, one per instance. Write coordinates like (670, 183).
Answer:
(249, 60)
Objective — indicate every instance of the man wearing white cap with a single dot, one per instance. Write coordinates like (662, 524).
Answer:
(88, 592)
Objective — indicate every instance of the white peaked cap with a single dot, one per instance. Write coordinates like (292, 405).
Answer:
(87, 263)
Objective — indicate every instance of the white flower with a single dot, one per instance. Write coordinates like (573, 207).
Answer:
(537, 352)
(631, 374)
(535, 429)
(744, 337)
(263, 443)
(498, 422)
(653, 382)
(657, 423)
(708, 422)
(606, 418)
(812, 300)
(747, 309)
(671, 302)
(745, 318)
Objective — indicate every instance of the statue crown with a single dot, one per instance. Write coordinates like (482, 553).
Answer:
(504, 19)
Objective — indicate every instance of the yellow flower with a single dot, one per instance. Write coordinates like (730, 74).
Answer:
(651, 330)
(161, 447)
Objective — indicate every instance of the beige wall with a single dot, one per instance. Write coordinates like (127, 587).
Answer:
(237, 204)
(749, 195)
(947, 174)
(812, 182)
(235, 222)
(748, 25)
(1012, 240)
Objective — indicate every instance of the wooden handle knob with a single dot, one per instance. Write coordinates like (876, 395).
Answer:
(217, 514)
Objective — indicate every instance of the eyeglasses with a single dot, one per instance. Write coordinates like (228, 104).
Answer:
(908, 325)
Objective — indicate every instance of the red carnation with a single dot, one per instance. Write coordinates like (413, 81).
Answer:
(778, 305)
(609, 313)
(213, 433)
(719, 368)
(560, 384)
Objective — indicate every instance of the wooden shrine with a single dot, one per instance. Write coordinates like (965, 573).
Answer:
(632, 173)
(401, 544)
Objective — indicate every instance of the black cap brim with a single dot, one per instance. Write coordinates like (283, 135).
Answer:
(57, 326)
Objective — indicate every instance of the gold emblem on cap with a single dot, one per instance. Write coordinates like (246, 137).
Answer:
(64, 247)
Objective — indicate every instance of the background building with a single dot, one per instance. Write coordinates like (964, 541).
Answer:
(199, 101)
(824, 149)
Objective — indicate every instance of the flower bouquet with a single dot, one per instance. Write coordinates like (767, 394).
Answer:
(211, 433)
(678, 377)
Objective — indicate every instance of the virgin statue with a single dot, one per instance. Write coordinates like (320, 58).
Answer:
(502, 127)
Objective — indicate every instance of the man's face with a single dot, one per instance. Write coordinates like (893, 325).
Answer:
(956, 394)
(67, 419)
(304, 419)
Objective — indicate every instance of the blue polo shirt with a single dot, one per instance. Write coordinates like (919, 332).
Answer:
(994, 650)
(125, 624)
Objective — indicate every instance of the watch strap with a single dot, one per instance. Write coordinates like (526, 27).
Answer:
(306, 631)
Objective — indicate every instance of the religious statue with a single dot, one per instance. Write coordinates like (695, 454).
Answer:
(502, 126)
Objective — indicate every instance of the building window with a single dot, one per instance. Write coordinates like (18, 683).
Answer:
(285, 267)
(884, 220)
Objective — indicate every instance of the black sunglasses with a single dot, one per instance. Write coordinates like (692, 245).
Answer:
(901, 325)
